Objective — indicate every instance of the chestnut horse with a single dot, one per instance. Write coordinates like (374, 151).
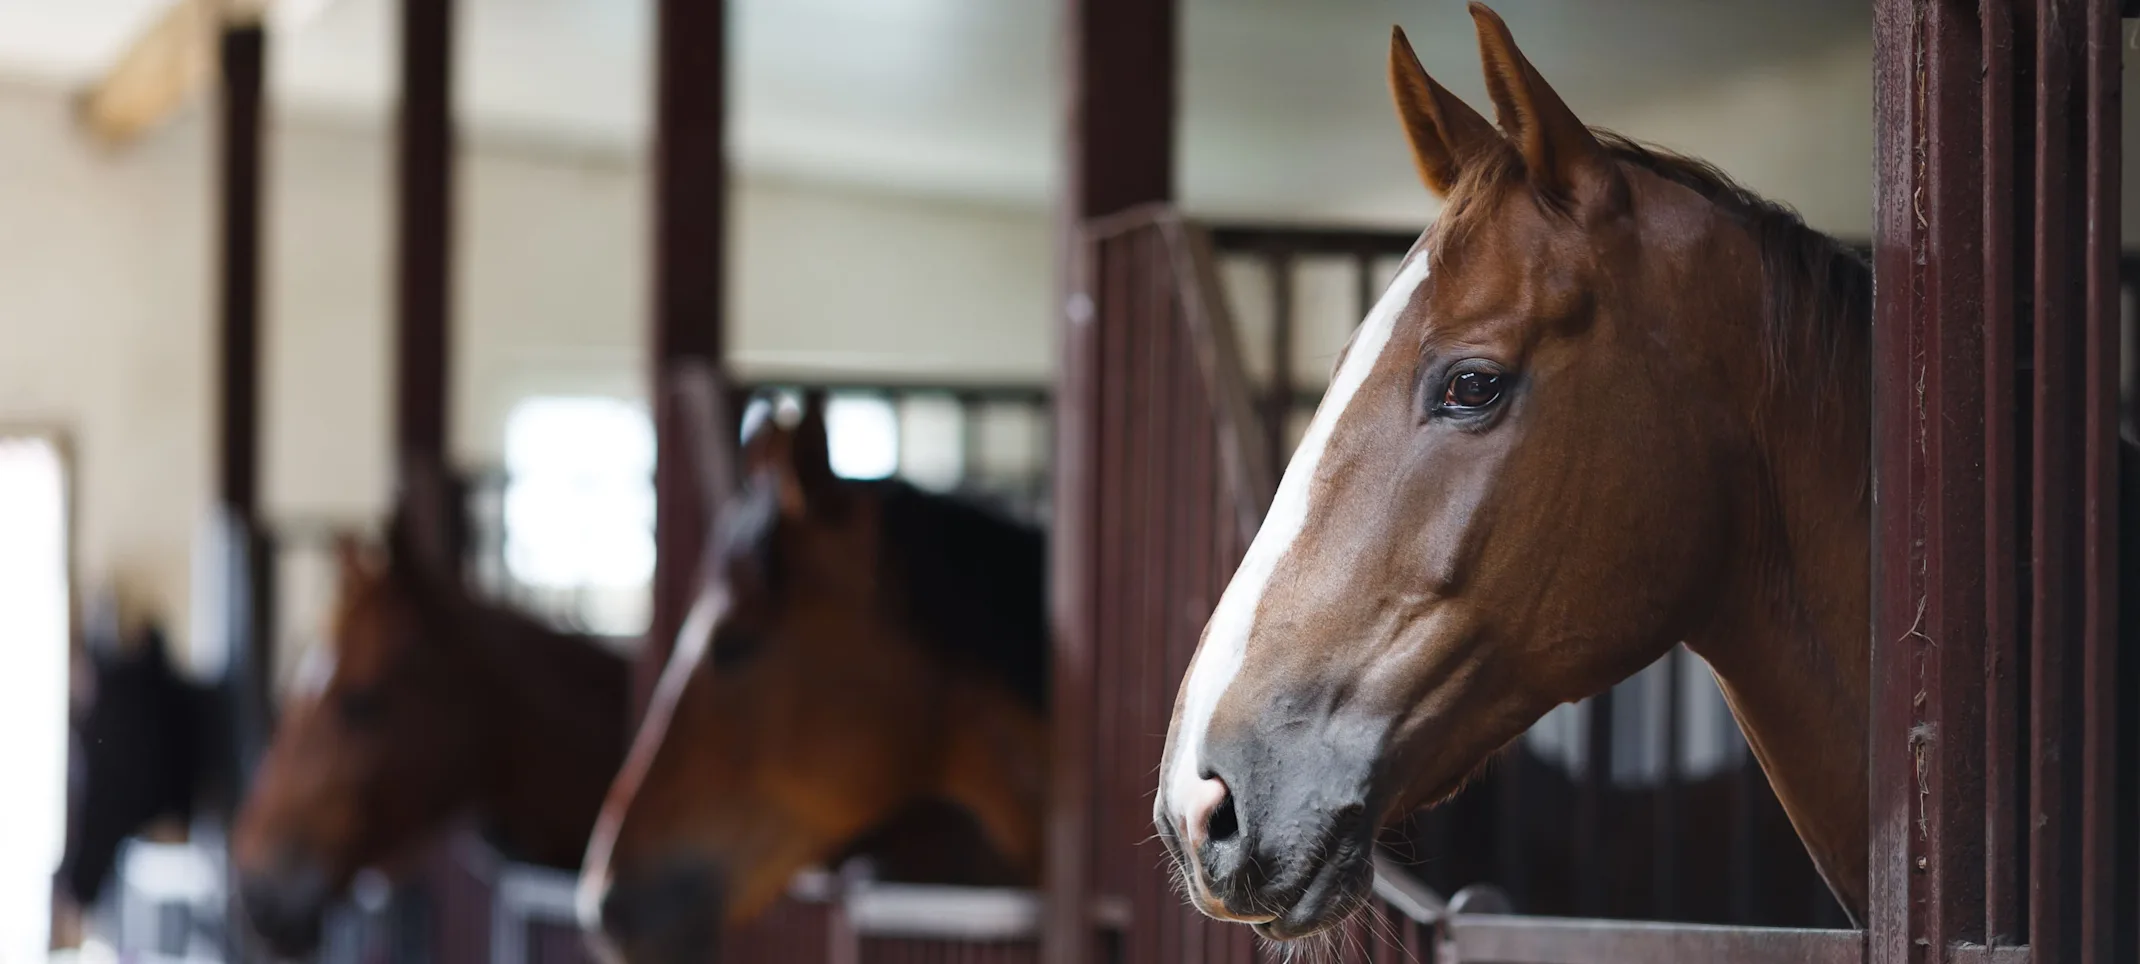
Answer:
(1611, 402)
(856, 647)
(424, 706)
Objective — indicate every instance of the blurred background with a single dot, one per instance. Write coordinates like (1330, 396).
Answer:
(894, 235)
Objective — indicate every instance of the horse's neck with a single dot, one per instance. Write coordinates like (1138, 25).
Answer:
(1790, 643)
(996, 765)
(557, 739)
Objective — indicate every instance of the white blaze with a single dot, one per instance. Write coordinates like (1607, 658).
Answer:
(1226, 636)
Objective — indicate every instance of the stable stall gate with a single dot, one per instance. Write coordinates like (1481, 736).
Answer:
(2004, 811)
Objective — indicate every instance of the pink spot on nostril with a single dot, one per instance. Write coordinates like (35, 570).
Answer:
(1205, 800)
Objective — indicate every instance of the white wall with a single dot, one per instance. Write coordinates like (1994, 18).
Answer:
(106, 307)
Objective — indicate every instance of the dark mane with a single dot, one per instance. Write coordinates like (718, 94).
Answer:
(1818, 304)
(970, 581)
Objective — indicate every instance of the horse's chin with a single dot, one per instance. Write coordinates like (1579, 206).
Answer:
(1337, 891)
(291, 939)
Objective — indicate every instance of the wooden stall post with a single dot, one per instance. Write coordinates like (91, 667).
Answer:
(1120, 57)
(1995, 342)
(247, 564)
(690, 211)
(423, 262)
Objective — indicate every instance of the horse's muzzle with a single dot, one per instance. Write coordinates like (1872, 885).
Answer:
(285, 905)
(1280, 831)
(666, 914)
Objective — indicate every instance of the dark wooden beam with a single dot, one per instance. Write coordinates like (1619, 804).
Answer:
(245, 557)
(1121, 58)
(690, 212)
(242, 55)
(423, 251)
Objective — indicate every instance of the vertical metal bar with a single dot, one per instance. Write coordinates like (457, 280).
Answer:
(1191, 511)
(1749, 797)
(1944, 643)
(1513, 843)
(971, 407)
(2003, 860)
(424, 235)
(1149, 372)
(1278, 397)
(1591, 818)
(2100, 71)
(1363, 284)
(2059, 434)
(1111, 437)
(1173, 369)
(1668, 828)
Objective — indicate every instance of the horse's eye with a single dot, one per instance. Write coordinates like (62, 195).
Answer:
(1468, 392)
(733, 646)
(359, 707)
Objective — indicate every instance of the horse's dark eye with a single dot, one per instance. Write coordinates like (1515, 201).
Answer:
(732, 647)
(1471, 391)
(359, 707)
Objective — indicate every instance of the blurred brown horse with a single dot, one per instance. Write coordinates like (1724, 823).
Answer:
(425, 706)
(856, 647)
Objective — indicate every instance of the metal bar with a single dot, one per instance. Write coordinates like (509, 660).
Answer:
(1497, 939)
(2098, 591)
(1147, 372)
(423, 247)
(689, 212)
(1114, 276)
(2005, 242)
(1750, 800)
(971, 408)
(1512, 846)
(1363, 284)
(2055, 618)
(1592, 802)
(1667, 823)
(1939, 653)
(1191, 511)
(1278, 393)
(1899, 126)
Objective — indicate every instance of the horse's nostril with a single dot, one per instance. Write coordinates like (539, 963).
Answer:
(1210, 815)
(1224, 823)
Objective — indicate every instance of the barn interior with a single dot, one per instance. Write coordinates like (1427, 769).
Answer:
(266, 263)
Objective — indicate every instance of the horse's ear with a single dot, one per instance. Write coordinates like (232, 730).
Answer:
(809, 479)
(1443, 130)
(796, 459)
(1560, 154)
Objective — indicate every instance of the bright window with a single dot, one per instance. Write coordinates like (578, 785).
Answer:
(579, 506)
(33, 689)
(862, 436)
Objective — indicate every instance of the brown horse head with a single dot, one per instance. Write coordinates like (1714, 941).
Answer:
(1607, 405)
(423, 706)
(856, 648)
